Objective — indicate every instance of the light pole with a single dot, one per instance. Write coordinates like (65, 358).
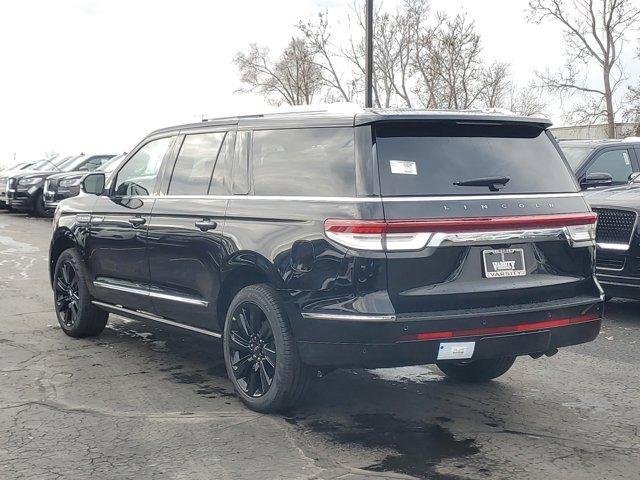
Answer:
(368, 69)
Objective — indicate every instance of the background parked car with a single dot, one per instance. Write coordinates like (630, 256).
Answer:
(66, 185)
(47, 164)
(25, 191)
(19, 166)
(602, 163)
(618, 238)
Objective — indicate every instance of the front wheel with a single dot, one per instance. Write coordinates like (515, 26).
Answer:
(476, 371)
(39, 208)
(260, 353)
(77, 316)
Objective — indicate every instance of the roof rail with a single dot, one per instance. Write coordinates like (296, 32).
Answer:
(337, 107)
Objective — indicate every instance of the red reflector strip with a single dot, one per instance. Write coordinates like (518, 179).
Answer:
(522, 327)
(455, 225)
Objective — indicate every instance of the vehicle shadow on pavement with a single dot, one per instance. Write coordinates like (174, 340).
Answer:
(408, 420)
(401, 419)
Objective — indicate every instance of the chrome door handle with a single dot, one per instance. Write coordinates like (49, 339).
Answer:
(206, 224)
(137, 221)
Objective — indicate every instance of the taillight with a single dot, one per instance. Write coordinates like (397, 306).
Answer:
(398, 235)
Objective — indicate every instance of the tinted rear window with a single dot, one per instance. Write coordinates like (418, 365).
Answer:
(306, 162)
(427, 158)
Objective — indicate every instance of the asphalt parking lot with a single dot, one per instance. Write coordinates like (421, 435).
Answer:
(147, 401)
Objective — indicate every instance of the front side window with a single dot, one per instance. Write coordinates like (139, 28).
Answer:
(305, 162)
(139, 174)
(614, 162)
(194, 166)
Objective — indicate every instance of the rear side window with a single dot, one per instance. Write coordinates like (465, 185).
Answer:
(194, 166)
(221, 180)
(304, 162)
(428, 158)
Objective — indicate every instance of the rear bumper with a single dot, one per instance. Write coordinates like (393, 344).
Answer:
(416, 340)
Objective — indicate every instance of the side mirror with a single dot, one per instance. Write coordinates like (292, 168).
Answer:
(596, 179)
(634, 177)
(93, 183)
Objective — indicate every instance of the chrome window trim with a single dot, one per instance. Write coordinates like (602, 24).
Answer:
(352, 317)
(360, 199)
(155, 318)
(149, 293)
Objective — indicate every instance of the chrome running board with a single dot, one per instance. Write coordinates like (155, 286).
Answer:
(137, 315)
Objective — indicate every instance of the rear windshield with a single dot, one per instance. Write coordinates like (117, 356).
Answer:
(429, 158)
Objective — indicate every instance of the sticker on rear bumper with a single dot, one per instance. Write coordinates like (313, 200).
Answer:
(456, 350)
(505, 262)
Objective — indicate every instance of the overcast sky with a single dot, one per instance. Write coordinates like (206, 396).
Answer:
(98, 75)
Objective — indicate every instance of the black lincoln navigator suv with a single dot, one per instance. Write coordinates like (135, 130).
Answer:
(312, 241)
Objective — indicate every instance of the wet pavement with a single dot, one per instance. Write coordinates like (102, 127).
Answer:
(147, 401)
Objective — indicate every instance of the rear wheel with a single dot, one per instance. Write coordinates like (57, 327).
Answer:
(77, 316)
(477, 371)
(260, 353)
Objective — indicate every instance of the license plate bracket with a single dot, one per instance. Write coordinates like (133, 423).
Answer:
(504, 262)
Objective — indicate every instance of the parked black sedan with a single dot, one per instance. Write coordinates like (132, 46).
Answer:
(66, 185)
(618, 238)
(25, 191)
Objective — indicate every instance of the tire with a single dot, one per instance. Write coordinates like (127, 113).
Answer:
(39, 209)
(257, 344)
(77, 316)
(477, 371)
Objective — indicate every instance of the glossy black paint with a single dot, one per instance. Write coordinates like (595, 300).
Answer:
(151, 254)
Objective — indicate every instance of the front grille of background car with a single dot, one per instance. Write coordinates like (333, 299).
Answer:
(614, 226)
(610, 260)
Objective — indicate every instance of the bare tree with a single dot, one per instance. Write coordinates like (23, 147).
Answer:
(632, 104)
(294, 78)
(420, 59)
(496, 84)
(319, 38)
(594, 36)
(527, 101)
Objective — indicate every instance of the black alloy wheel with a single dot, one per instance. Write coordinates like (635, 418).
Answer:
(67, 294)
(252, 349)
(77, 315)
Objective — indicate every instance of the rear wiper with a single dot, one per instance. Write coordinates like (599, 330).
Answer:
(491, 182)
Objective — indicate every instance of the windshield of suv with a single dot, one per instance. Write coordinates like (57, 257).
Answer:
(112, 164)
(465, 158)
(72, 163)
(575, 155)
(50, 164)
